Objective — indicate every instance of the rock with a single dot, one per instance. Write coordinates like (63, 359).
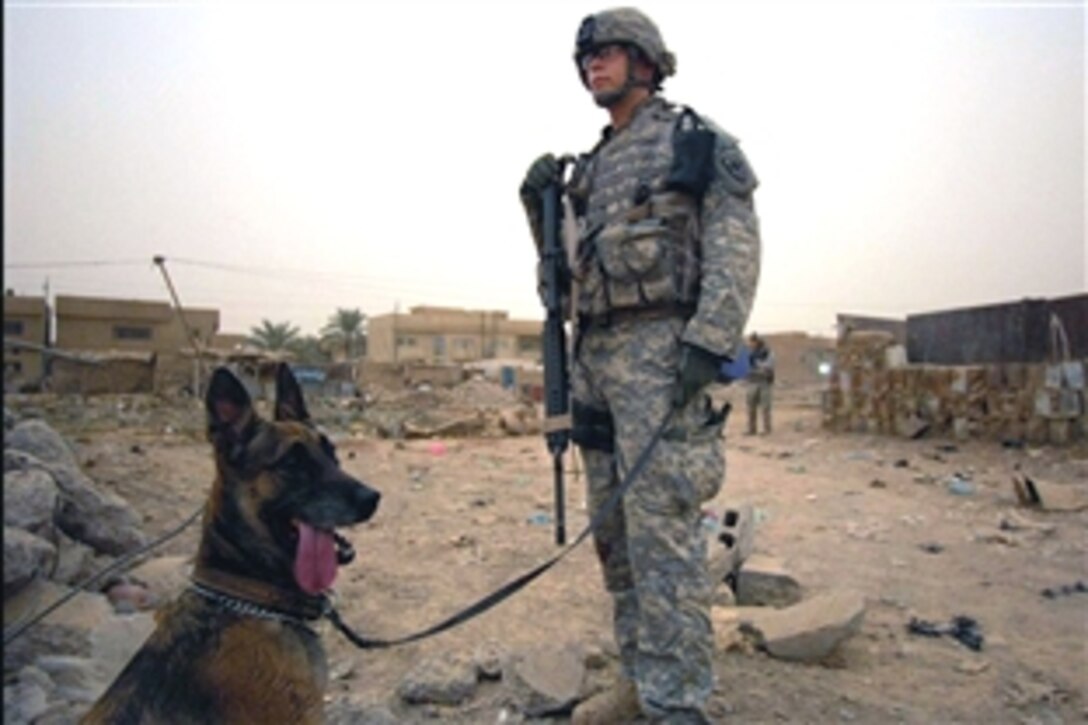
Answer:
(546, 680)
(24, 702)
(1046, 496)
(808, 631)
(723, 596)
(728, 633)
(488, 658)
(67, 629)
(38, 438)
(595, 657)
(76, 562)
(87, 514)
(342, 670)
(468, 426)
(30, 499)
(443, 680)
(98, 518)
(512, 421)
(344, 712)
(76, 678)
(518, 421)
(763, 581)
(165, 577)
(62, 713)
(35, 674)
(127, 597)
(21, 461)
(26, 556)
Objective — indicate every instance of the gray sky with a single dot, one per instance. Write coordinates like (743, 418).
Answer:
(292, 158)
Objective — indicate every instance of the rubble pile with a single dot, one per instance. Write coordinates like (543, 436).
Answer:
(60, 529)
(874, 390)
(476, 408)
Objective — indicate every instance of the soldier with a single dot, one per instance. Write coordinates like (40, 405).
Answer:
(664, 274)
(760, 380)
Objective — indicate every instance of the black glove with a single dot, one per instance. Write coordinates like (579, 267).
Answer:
(698, 368)
(543, 171)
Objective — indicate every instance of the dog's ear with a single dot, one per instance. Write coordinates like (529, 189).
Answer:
(289, 402)
(229, 407)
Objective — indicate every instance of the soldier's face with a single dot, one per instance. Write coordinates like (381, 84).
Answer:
(606, 71)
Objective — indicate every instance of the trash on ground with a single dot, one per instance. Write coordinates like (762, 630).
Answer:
(962, 628)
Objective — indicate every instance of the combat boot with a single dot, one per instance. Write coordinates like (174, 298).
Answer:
(614, 706)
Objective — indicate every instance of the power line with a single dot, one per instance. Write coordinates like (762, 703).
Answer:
(87, 263)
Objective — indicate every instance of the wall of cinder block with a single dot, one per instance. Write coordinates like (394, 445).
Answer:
(873, 389)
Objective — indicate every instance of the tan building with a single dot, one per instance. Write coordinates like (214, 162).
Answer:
(25, 321)
(95, 323)
(230, 341)
(450, 335)
(798, 355)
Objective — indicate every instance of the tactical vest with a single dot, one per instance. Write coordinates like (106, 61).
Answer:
(638, 242)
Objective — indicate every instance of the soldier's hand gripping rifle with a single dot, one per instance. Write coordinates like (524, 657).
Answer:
(556, 281)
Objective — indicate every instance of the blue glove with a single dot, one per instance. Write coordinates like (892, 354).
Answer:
(731, 370)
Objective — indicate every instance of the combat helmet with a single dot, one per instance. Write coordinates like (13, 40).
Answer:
(629, 26)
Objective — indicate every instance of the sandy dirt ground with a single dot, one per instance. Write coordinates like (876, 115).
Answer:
(460, 517)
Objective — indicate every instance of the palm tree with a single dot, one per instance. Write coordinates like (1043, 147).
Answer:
(347, 328)
(273, 336)
(309, 350)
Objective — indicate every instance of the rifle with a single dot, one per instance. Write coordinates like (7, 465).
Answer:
(554, 343)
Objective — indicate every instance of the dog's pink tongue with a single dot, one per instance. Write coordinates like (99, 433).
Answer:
(315, 560)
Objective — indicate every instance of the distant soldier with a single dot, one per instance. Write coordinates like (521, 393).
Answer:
(760, 382)
(666, 269)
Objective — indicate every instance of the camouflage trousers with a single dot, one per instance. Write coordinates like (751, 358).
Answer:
(652, 547)
(759, 398)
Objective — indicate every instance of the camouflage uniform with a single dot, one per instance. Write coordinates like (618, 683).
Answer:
(655, 268)
(760, 382)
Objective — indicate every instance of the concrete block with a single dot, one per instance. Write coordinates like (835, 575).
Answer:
(764, 581)
(808, 631)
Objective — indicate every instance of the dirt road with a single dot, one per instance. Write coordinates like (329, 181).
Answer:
(461, 517)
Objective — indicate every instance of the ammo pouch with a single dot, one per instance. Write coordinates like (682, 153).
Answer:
(592, 428)
(651, 258)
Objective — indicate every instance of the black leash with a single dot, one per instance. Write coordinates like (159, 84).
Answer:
(487, 602)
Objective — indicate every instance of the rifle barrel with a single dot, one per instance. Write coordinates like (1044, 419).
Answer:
(560, 507)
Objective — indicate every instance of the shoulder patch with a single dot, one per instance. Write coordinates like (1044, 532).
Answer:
(733, 168)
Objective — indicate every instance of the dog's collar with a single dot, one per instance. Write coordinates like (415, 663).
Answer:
(247, 608)
(256, 599)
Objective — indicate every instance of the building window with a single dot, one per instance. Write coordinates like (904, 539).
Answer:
(406, 342)
(528, 344)
(13, 327)
(129, 332)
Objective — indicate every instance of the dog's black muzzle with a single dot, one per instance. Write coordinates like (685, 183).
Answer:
(364, 502)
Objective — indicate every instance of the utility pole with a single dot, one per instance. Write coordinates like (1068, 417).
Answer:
(198, 372)
(47, 332)
(396, 311)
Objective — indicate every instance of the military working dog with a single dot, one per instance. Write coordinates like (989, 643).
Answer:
(236, 646)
